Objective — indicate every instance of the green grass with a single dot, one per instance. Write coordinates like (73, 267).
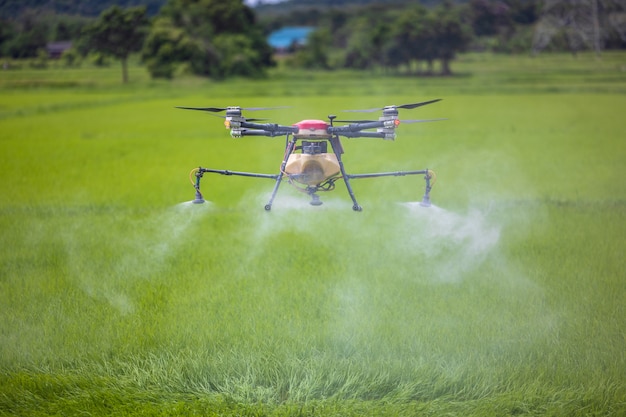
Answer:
(506, 298)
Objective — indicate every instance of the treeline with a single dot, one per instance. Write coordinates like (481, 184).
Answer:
(27, 26)
(413, 37)
(12, 9)
(220, 38)
(214, 38)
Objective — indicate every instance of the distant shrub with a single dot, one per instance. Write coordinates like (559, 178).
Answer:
(98, 59)
(70, 58)
(41, 60)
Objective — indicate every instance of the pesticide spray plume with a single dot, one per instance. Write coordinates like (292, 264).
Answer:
(371, 280)
(457, 242)
(140, 249)
(417, 253)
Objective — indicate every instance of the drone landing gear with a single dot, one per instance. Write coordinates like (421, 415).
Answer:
(355, 206)
(429, 178)
(199, 172)
(279, 178)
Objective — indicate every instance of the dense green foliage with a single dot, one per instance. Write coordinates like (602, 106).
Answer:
(165, 47)
(25, 36)
(505, 298)
(217, 39)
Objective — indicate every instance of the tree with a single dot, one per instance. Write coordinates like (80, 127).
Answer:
(451, 36)
(581, 22)
(401, 46)
(427, 36)
(413, 39)
(164, 47)
(25, 37)
(118, 33)
(488, 17)
(365, 39)
(524, 12)
(315, 54)
(217, 38)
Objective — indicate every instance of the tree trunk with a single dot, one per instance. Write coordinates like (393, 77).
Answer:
(124, 70)
(445, 66)
(430, 67)
(596, 27)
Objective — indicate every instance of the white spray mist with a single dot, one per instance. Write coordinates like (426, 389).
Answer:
(137, 252)
(459, 242)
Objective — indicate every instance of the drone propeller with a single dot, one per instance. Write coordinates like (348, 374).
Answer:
(422, 120)
(354, 121)
(403, 106)
(401, 121)
(220, 109)
(211, 109)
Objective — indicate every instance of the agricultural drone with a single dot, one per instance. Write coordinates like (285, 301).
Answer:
(308, 164)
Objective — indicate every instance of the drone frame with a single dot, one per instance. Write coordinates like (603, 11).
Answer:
(328, 133)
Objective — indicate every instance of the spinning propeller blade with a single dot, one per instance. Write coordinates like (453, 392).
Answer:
(421, 121)
(403, 106)
(401, 121)
(414, 105)
(264, 108)
(220, 109)
(354, 121)
(211, 109)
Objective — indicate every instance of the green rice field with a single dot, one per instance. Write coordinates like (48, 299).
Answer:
(506, 297)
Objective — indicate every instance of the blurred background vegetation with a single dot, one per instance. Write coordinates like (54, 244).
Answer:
(219, 39)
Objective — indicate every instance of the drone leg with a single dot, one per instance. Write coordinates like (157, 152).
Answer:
(291, 145)
(268, 206)
(336, 145)
(356, 206)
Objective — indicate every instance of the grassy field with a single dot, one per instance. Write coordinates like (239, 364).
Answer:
(119, 297)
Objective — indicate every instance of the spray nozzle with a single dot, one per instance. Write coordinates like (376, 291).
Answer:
(429, 185)
(199, 199)
(198, 173)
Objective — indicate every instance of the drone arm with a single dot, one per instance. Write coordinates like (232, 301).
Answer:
(391, 174)
(243, 128)
(270, 127)
(255, 132)
(355, 127)
(379, 135)
(429, 178)
(385, 129)
(202, 171)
